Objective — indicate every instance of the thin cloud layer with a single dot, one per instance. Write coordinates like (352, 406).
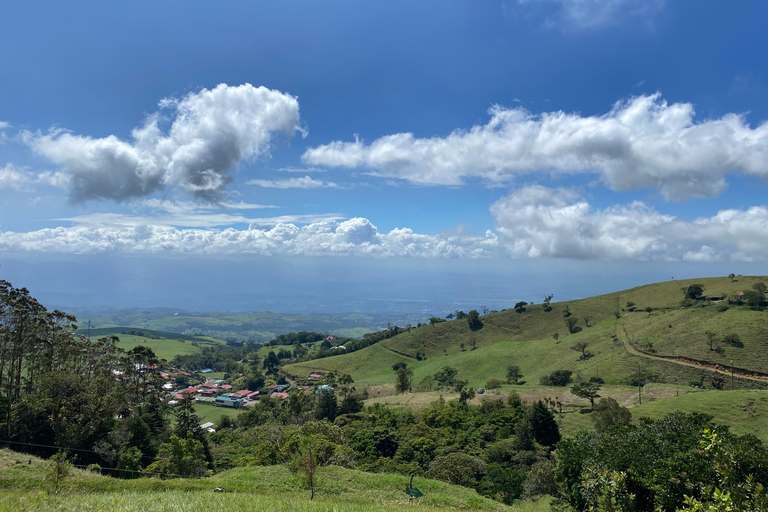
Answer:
(211, 132)
(354, 237)
(640, 143)
(591, 14)
(305, 182)
(539, 222)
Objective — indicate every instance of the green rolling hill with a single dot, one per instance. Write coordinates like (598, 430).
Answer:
(668, 346)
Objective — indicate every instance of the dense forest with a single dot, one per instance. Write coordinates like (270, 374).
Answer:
(96, 405)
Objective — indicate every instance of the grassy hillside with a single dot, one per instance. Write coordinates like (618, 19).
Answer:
(166, 345)
(525, 338)
(24, 487)
(746, 412)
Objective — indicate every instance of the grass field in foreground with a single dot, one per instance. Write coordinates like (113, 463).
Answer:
(23, 487)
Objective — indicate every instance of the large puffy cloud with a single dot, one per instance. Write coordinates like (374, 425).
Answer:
(355, 236)
(541, 222)
(641, 143)
(212, 130)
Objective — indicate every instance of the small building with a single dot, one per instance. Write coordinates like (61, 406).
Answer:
(316, 376)
(208, 426)
(279, 395)
(323, 389)
(226, 401)
(252, 396)
(207, 370)
(225, 387)
(240, 394)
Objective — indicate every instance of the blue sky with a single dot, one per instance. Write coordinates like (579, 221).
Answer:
(523, 132)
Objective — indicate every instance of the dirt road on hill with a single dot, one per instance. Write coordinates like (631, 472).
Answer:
(687, 361)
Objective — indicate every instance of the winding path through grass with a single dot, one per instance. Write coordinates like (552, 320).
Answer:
(687, 361)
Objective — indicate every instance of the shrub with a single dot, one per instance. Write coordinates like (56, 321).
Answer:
(557, 378)
(493, 384)
(458, 469)
(597, 380)
(733, 340)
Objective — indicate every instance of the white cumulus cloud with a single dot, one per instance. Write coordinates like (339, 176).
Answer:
(640, 143)
(211, 132)
(536, 221)
(14, 178)
(353, 237)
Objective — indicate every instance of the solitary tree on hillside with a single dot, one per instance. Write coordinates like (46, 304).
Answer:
(403, 380)
(581, 347)
(587, 318)
(520, 306)
(732, 276)
(695, 291)
(450, 316)
(566, 312)
(570, 323)
(759, 287)
(556, 336)
(473, 319)
(547, 300)
(514, 374)
(587, 390)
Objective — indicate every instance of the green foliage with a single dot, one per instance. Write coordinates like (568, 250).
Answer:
(59, 468)
(570, 324)
(587, 390)
(660, 462)
(306, 462)
(129, 463)
(446, 377)
(458, 469)
(754, 299)
(520, 306)
(694, 292)
(473, 320)
(179, 457)
(581, 347)
(327, 405)
(731, 491)
(543, 423)
(557, 378)
(540, 479)
(493, 384)
(403, 380)
(546, 302)
(607, 413)
(514, 374)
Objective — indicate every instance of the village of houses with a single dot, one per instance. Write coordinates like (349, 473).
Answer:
(217, 392)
